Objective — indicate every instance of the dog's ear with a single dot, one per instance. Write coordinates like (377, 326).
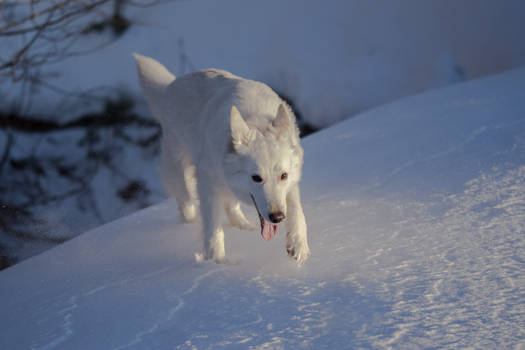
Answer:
(242, 135)
(282, 121)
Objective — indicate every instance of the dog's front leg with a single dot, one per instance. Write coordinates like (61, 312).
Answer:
(211, 206)
(296, 238)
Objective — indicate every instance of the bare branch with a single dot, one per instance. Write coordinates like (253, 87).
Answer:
(7, 150)
(20, 53)
(86, 8)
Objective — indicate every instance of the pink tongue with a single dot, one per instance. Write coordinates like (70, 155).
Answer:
(268, 230)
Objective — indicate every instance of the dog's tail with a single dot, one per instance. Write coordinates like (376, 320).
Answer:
(154, 78)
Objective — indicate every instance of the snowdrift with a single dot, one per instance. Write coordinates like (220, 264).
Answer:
(416, 214)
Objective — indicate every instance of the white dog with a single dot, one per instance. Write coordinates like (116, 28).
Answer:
(227, 139)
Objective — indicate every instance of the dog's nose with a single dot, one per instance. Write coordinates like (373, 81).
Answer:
(276, 217)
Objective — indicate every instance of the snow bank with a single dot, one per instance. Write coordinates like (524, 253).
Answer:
(416, 218)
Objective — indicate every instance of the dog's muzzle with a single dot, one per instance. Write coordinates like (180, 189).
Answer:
(276, 217)
(268, 231)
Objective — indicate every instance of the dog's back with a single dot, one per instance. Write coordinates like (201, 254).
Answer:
(198, 103)
(189, 94)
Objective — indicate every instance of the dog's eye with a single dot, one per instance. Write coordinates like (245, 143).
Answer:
(256, 178)
(284, 176)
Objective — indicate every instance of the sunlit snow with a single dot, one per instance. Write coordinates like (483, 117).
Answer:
(416, 214)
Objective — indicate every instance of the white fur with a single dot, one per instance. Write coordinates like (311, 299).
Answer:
(218, 131)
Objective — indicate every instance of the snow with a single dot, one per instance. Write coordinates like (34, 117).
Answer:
(416, 214)
(332, 60)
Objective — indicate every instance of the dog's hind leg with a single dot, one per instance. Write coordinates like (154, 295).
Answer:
(235, 214)
(210, 206)
(178, 175)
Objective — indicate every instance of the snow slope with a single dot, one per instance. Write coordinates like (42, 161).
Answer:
(416, 214)
(333, 59)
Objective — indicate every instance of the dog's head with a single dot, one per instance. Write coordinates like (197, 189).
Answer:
(263, 165)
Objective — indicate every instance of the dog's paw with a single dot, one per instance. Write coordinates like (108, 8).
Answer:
(299, 252)
(238, 220)
(200, 258)
(245, 226)
(236, 217)
(220, 260)
(188, 212)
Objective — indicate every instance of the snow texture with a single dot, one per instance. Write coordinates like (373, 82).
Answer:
(416, 214)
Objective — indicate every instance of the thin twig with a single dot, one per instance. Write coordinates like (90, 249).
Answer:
(7, 149)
